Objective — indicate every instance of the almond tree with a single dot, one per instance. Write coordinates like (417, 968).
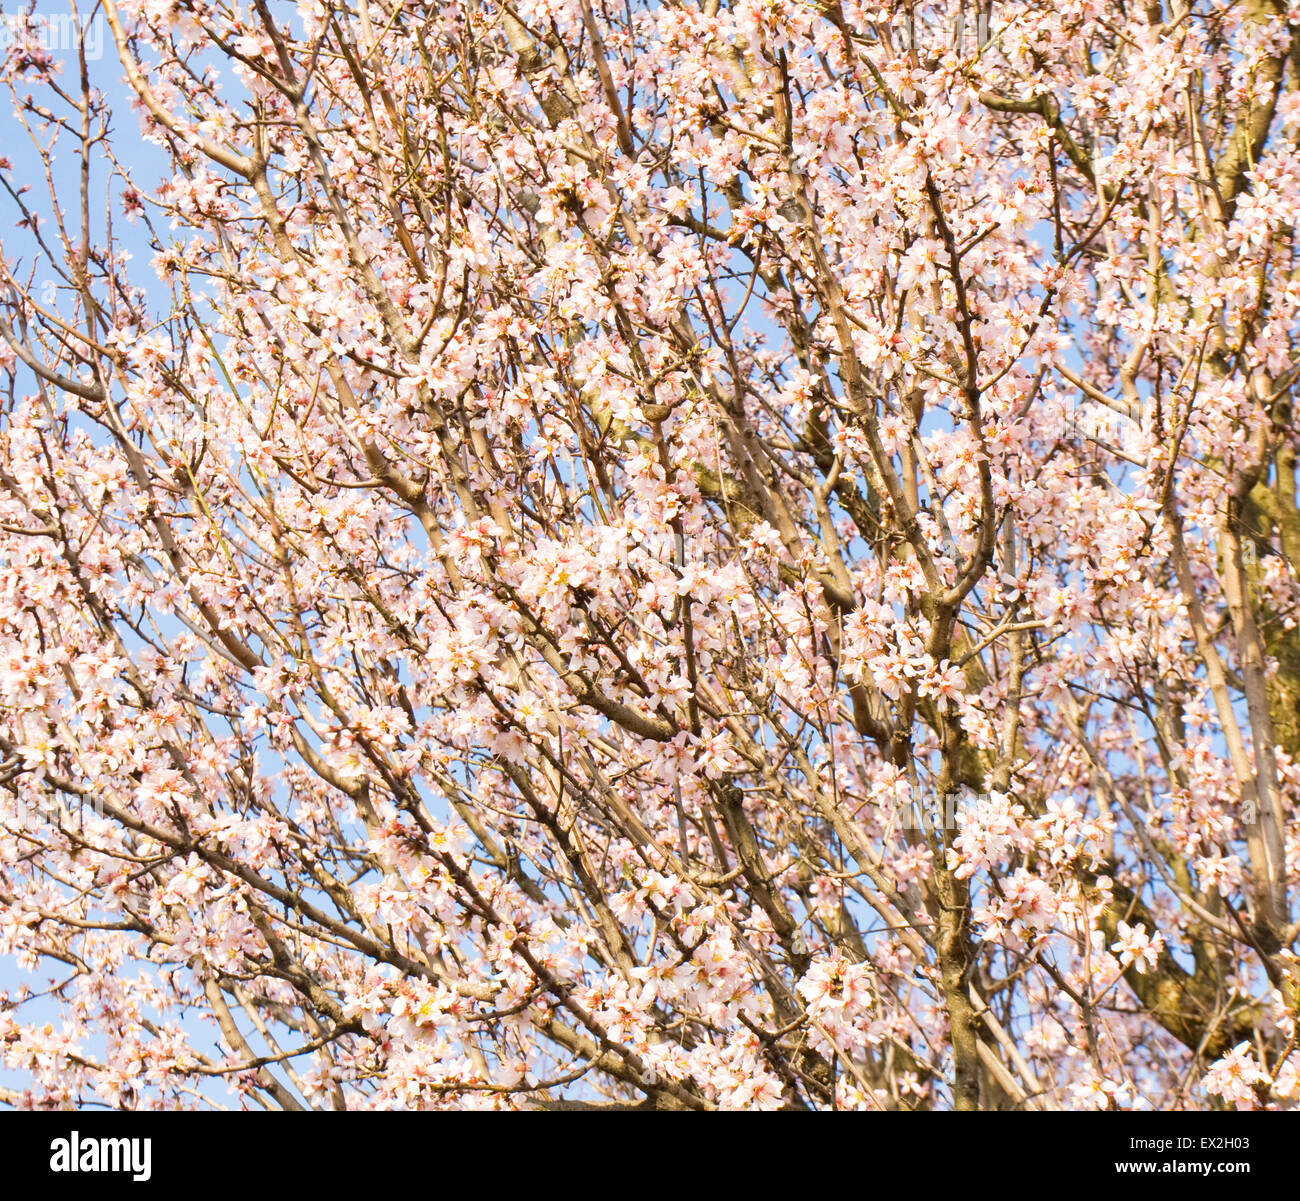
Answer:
(699, 554)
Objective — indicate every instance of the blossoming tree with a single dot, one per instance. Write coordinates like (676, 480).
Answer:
(698, 554)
